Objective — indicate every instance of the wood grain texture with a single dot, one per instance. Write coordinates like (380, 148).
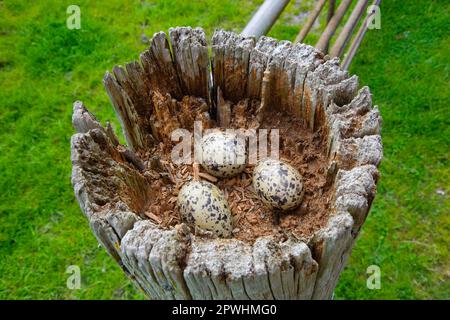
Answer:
(230, 63)
(326, 84)
(190, 53)
(259, 57)
(159, 66)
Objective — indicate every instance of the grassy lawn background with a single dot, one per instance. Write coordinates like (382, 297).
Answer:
(44, 67)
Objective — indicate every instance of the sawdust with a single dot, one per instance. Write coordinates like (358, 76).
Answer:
(299, 146)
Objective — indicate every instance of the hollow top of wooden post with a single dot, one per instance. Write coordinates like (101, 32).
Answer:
(113, 186)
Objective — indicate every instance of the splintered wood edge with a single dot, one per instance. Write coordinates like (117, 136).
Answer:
(175, 264)
(190, 54)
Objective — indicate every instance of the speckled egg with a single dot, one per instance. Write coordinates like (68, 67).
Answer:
(223, 154)
(278, 184)
(204, 205)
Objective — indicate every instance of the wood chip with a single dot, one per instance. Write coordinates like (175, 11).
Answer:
(196, 171)
(153, 217)
(207, 176)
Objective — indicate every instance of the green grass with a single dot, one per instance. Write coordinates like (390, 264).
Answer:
(44, 67)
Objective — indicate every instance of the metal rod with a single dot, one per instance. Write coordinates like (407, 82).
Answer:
(358, 39)
(348, 29)
(264, 18)
(324, 40)
(311, 19)
(331, 7)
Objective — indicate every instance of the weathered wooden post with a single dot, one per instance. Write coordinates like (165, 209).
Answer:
(329, 131)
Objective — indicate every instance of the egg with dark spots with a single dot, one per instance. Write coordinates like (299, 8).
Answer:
(223, 154)
(202, 204)
(278, 184)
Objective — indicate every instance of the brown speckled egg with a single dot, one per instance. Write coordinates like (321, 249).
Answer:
(278, 184)
(223, 154)
(204, 205)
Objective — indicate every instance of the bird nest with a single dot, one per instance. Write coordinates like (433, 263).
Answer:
(328, 131)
